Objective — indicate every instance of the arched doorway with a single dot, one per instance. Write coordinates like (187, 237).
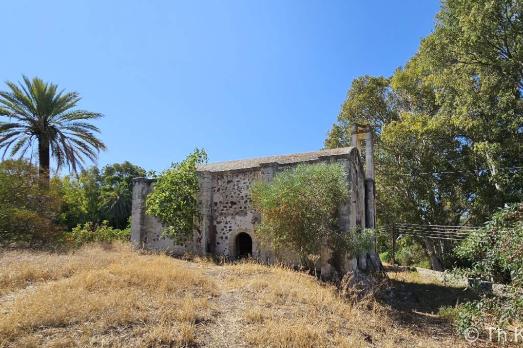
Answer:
(243, 245)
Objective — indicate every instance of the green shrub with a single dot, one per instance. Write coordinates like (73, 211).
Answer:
(174, 199)
(464, 315)
(385, 256)
(356, 242)
(28, 209)
(90, 232)
(495, 253)
(411, 253)
(298, 207)
(487, 312)
(96, 195)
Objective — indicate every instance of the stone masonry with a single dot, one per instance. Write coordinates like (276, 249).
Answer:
(228, 219)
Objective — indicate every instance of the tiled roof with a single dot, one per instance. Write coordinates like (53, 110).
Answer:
(283, 159)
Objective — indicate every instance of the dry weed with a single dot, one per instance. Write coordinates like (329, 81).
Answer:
(157, 293)
(293, 309)
(18, 269)
(101, 296)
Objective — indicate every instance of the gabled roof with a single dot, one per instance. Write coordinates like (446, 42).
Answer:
(282, 159)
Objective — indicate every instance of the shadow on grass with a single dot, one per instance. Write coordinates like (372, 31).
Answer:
(416, 305)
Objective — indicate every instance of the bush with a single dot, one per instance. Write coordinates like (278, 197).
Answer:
(411, 253)
(298, 208)
(90, 232)
(356, 242)
(386, 256)
(174, 199)
(496, 251)
(96, 195)
(495, 254)
(28, 209)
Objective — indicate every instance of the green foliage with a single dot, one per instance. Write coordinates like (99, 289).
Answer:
(487, 312)
(90, 232)
(36, 111)
(27, 209)
(464, 316)
(410, 252)
(298, 208)
(472, 62)
(116, 192)
(81, 198)
(36, 214)
(174, 198)
(449, 123)
(496, 251)
(356, 242)
(94, 195)
(496, 254)
(414, 148)
(369, 101)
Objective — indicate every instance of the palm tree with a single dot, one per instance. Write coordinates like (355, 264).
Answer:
(37, 112)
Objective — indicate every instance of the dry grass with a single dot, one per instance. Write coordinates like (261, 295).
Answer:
(19, 269)
(117, 297)
(292, 309)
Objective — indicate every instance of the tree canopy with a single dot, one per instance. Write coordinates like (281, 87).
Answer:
(96, 195)
(449, 124)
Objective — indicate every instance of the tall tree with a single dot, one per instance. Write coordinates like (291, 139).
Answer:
(370, 101)
(117, 188)
(472, 64)
(37, 112)
(174, 199)
(466, 84)
(96, 195)
(449, 149)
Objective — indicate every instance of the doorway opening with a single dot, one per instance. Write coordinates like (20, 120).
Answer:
(243, 245)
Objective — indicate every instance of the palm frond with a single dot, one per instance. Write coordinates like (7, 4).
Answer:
(21, 142)
(15, 108)
(82, 125)
(65, 102)
(5, 126)
(5, 136)
(5, 146)
(22, 97)
(37, 110)
(78, 115)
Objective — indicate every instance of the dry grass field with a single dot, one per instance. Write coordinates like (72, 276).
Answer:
(113, 296)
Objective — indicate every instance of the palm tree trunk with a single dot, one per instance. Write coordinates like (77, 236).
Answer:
(44, 160)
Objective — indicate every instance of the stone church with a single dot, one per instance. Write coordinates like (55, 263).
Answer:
(228, 220)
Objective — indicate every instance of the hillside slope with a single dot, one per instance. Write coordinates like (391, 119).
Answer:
(114, 296)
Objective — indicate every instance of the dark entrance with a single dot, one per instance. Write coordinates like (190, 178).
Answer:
(243, 245)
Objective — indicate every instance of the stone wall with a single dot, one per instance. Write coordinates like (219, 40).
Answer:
(226, 206)
(145, 229)
(232, 211)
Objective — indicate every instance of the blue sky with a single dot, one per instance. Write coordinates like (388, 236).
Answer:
(241, 78)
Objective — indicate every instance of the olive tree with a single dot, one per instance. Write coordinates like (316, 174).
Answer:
(298, 208)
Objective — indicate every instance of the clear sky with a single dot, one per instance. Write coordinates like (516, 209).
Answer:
(241, 78)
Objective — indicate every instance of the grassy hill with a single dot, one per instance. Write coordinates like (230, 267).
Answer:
(114, 296)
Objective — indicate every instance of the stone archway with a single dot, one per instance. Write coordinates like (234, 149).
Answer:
(243, 245)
